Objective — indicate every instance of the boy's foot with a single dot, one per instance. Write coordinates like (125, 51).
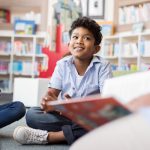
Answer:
(27, 135)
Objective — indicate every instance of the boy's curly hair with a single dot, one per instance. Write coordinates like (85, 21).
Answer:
(89, 24)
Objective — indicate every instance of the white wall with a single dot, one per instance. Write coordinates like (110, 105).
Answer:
(109, 10)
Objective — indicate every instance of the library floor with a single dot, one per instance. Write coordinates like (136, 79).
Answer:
(7, 142)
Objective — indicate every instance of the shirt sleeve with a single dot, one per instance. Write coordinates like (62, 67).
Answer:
(105, 73)
(56, 79)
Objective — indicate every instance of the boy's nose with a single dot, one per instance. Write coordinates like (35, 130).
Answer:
(80, 40)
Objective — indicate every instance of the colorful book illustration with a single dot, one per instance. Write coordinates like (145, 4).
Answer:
(91, 112)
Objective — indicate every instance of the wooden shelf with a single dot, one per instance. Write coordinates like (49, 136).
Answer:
(122, 3)
(24, 6)
(14, 59)
(128, 27)
(6, 26)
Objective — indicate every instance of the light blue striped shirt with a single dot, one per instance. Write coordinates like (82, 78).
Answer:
(65, 76)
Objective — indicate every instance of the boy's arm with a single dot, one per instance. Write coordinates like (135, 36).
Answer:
(105, 73)
(51, 94)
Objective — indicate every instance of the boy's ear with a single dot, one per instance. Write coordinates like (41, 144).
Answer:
(97, 48)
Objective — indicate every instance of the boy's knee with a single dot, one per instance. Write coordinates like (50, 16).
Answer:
(31, 115)
(19, 109)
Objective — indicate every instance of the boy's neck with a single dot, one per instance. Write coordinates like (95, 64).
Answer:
(82, 65)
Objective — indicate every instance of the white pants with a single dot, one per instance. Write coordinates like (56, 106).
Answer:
(128, 133)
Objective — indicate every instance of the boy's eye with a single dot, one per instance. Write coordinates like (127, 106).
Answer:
(74, 37)
(87, 38)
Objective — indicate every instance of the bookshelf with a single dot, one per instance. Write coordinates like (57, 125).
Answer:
(18, 8)
(20, 56)
(131, 12)
(128, 52)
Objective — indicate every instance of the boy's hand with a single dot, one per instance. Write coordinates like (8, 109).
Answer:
(50, 96)
(67, 96)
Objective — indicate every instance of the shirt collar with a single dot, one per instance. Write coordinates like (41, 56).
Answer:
(96, 59)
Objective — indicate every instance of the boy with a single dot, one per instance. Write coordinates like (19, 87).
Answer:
(78, 75)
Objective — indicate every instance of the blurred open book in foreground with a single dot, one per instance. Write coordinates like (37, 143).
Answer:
(95, 110)
(92, 111)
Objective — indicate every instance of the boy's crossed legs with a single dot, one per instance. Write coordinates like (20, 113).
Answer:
(47, 128)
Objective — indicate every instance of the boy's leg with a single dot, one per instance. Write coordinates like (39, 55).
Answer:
(11, 112)
(73, 132)
(53, 121)
(59, 127)
(37, 119)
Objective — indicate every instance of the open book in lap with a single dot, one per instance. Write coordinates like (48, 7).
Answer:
(92, 111)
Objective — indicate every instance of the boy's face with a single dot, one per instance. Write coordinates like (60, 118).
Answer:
(82, 44)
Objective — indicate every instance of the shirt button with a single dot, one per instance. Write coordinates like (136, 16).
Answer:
(73, 88)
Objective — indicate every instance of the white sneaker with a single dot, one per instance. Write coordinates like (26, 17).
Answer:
(27, 135)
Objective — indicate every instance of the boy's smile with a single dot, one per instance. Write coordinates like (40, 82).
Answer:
(78, 48)
(82, 44)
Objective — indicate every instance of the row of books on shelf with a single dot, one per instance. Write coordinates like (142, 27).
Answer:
(4, 67)
(20, 48)
(26, 47)
(134, 14)
(23, 47)
(111, 49)
(5, 47)
(128, 49)
(130, 67)
(25, 68)
(145, 48)
(124, 67)
(145, 66)
(19, 67)
(114, 67)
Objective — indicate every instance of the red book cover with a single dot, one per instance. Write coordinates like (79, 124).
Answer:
(4, 16)
(91, 112)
